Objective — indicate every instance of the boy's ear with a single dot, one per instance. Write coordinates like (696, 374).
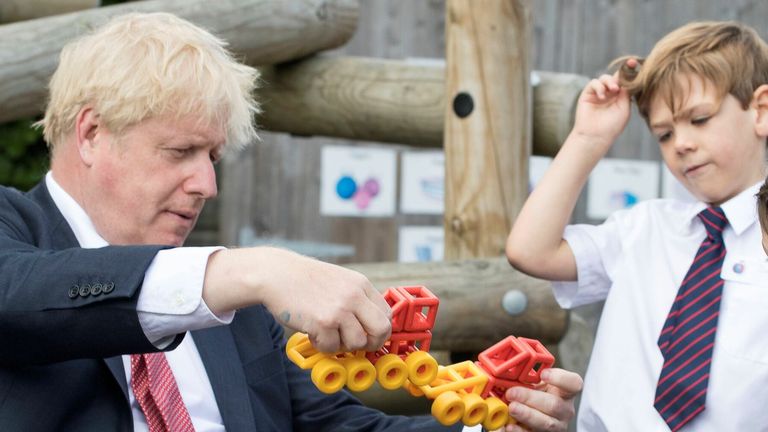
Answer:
(760, 103)
(86, 128)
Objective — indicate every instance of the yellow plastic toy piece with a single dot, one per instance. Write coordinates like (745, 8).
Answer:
(448, 408)
(329, 375)
(360, 373)
(475, 409)
(497, 415)
(391, 371)
(422, 367)
(412, 389)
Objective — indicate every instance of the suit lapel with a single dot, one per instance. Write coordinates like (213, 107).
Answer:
(217, 349)
(63, 238)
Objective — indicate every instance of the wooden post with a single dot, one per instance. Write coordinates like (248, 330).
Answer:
(487, 123)
(261, 31)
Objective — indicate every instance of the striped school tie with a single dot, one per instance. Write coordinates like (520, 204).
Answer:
(688, 336)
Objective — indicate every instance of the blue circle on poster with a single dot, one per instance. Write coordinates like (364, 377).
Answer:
(346, 187)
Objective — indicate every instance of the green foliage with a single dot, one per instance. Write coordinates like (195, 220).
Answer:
(23, 155)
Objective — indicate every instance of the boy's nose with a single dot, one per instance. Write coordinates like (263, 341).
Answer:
(684, 142)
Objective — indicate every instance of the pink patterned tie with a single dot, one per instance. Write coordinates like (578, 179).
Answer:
(158, 395)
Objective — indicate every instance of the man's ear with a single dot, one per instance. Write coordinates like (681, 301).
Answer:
(760, 104)
(86, 128)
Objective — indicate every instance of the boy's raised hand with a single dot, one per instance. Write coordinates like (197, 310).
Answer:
(603, 111)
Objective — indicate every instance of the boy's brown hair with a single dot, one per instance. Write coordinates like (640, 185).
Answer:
(762, 206)
(730, 55)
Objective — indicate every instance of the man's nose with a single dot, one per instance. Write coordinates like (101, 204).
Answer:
(202, 181)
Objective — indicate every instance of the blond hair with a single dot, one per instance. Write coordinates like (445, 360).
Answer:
(730, 56)
(140, 66)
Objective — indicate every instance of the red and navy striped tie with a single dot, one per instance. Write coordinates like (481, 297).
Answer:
(688, 336)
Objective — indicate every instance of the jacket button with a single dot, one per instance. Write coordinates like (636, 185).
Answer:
(96, 289)
(108, 287)
(85, 290)
(74, 291)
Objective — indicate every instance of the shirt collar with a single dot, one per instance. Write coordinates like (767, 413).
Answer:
(75, 216)
(740, 210)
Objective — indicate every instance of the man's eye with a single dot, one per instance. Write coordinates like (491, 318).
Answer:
(180, 152)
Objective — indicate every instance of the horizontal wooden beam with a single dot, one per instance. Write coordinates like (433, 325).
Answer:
(261, 31)
(474, 298)
(21, 10)
(393, 101)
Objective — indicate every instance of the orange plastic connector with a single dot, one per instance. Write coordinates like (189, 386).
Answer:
(517, 359)
(414, 308)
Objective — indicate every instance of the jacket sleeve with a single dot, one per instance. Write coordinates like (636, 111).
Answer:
(58, 305)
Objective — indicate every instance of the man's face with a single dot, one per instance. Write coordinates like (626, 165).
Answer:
(149, 185)
(710, 146)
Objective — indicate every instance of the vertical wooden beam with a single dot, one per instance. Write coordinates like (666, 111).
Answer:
(487, 135)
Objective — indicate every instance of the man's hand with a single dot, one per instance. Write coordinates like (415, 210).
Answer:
(338, 308)
(547, 408)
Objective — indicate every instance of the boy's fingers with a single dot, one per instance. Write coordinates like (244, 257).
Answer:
(563, 383)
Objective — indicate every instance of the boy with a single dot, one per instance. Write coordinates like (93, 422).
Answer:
(680, 345)
(762, 213)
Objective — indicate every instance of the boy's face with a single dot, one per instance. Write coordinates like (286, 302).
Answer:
(765, 242)
(711, 146)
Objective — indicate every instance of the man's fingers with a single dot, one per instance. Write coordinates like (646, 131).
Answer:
(376, 323)
(326, 340)
(378, 299)
(353, 337)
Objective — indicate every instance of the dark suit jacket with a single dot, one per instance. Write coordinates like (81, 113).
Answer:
(67, 314)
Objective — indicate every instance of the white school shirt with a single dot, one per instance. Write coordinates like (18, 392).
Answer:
(636, 261)
(170, 302)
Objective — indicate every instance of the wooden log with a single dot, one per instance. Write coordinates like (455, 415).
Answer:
(473, 294)
(21, 10)
(394, 101)
(262, 31)
(487, 137)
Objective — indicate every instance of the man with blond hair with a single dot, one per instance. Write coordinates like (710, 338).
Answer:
(97, 294)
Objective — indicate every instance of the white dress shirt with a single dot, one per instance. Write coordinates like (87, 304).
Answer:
(636, 261)
(170, 302)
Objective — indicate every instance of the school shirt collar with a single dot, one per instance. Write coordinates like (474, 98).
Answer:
(75, 216)
(740, 210)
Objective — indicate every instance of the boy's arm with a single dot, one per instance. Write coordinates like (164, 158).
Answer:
(535, 245)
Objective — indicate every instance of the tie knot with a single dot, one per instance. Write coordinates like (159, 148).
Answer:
(714, 221)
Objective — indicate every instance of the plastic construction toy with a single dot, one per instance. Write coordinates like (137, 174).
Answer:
(471, 392)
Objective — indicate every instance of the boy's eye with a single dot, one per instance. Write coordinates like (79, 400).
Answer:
(699, 120)
(664, 137)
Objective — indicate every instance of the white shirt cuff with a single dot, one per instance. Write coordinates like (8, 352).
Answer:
(171, 301)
